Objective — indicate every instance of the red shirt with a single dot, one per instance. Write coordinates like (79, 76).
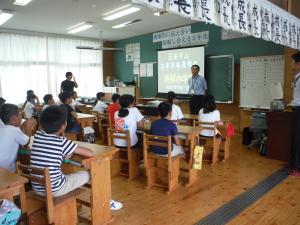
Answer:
(111, 110)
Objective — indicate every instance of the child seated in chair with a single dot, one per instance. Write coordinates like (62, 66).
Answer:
(128, 118)
(211, 115)
(100, 106)
(165, 127)
(48, 100)
(13, 134)
(72, 125)
(30, 106)
(49, 149)
(114, 107)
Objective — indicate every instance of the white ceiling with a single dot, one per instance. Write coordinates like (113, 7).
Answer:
(54, 16)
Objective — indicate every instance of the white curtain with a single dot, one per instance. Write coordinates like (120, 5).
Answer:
(40, 63)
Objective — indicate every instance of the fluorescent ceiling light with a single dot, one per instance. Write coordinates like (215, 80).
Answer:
(160, 13)
(126, 23)
(79, 27)
(123, 12)
(5, 15)
(22, 2)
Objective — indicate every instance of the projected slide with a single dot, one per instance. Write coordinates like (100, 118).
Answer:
(174, 68)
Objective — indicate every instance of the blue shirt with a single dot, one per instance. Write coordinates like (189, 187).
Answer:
(162, 127)
(198, 84)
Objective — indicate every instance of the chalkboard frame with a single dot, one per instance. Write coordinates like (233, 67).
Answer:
(232, 76)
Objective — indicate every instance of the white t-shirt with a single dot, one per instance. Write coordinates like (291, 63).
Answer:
(209, 117)
(72, 104)
(99, 107)
(176, 112)
(10, 139)
(29, 109)
(128, 123)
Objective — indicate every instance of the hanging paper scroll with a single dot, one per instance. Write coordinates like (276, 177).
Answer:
(294, 32)
(205, 10)
(240, 16)
(285, 30)
(266, 22)
(226, 14)
(159, 4)
(299, 37)
(276, 26)
(217, 12)
(255, 18)
(182, 7)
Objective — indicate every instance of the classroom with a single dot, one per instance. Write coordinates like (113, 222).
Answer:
(139, 112)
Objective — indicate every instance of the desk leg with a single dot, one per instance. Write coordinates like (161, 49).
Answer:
(100, 192)
(23, 200)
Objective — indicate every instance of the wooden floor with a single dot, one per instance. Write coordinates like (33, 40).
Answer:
(218, 185)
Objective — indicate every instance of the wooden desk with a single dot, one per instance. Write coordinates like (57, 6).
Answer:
(85, 108)
(100, 179)
(85, 120)
(12, 184)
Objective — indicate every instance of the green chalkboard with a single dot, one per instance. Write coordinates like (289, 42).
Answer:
(220, 77)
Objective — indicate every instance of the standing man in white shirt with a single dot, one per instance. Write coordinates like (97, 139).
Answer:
(197, 90)
(295, 149)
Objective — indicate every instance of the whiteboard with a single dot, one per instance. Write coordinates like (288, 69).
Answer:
(258, 75)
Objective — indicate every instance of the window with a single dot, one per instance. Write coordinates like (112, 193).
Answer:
(40, 63)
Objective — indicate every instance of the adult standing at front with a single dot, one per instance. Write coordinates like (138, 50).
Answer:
(197, 90)
(295, 149)
(68, 85)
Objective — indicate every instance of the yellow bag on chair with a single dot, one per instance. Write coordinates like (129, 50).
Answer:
(197, 157)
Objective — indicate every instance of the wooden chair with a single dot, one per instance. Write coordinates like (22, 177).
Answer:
(209, 126)
(226, 140)
(161, 171)
(127, 161)
(48, 210)
(103, 123)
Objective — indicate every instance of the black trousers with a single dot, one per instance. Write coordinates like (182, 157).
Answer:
(295, 148)
(196, 103)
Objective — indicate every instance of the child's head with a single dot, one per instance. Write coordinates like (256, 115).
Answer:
(100, 96)
(296, 61)
(10, 114)
(171, 97)
(125, 101)
(165, 110)
(115, 98)
(210, 104)
(74, 95)
(2, 101)
(31, 98)
(69, 75)
(54, 119)
(29, 92)
(65, 97)
(48, 99)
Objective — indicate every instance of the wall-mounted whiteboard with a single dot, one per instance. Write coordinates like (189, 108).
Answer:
(258, 76)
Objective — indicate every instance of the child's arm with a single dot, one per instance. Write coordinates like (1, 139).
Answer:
(28, 126)
(140, 124)
(176, 140)
(84, 151)
(74, 114)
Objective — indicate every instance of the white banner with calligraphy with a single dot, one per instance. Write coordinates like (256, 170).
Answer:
(299, 37)
(174, 33)
(205, 10)
(255, 18)
(285, 27)
(276, 25)
(266, 31)
(226, 14)
(294, 31)
(159, 4)
(184, 8)
(240, 16)
(200, 38)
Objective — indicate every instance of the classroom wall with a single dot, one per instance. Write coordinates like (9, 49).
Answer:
(241, 47)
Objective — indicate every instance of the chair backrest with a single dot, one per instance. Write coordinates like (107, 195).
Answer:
(40, 176)
(159, 141)
(119, 134)
(210, 126)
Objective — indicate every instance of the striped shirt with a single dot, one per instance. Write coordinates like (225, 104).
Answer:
(49, 151)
